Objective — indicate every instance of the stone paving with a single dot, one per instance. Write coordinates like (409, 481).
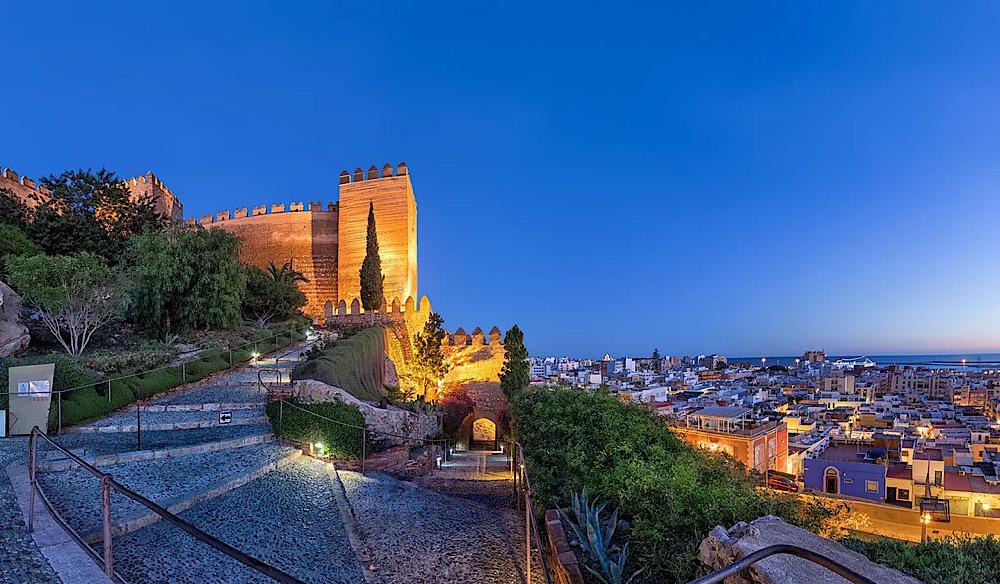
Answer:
(231, 392)
(20, 560)
(415, 535)
(100, 443)
(127, 419)
(76, 494)
(288, 519)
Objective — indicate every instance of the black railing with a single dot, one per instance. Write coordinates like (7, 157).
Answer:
(532, 535)
(108, 482)
(752, 558)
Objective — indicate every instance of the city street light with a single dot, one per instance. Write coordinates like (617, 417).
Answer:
(763, 360)
(924, 520)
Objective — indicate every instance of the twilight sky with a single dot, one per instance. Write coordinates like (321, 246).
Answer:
(698, 177)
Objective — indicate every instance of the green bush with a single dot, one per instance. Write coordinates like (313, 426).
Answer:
(69, 372)
(671, 494)
(942, 561)
(341, 441)
(352, 364)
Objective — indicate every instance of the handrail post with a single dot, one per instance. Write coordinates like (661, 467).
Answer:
(364, 448)
(106, 500)
(230, 356)
(109, 391)
(527, 535)
(184, 372)
(138, 425)
(31, 478)
(59, 407)
(281, 415)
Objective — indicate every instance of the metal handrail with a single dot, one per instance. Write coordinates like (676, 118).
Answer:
(107, 483)
(530, 522)
(58, 393)
(752, 558)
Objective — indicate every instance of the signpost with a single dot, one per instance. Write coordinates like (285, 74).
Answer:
(30, 388)
(225, 418)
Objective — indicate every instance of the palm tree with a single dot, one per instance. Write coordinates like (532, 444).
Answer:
(286, 273)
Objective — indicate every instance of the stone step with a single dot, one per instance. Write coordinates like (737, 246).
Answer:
(201, 407)
(288, 518)
(176, 484)
(215, 393)
(107, 448)
(175, 420)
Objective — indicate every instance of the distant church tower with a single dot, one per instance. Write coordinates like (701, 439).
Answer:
(396, 224)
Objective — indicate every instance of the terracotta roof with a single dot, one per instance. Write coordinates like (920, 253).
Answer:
(899, 470)
(969, 483)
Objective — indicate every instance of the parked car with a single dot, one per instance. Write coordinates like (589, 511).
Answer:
(782, 481)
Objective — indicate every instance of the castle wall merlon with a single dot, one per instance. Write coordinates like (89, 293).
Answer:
(296, 206)
(373, 173)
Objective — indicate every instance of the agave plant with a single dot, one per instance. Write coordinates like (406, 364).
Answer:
(596, 535)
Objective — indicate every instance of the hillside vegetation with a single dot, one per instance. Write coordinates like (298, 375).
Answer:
(354, 364)
(670, 494)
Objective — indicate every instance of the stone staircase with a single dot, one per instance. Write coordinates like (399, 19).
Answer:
(237, 483)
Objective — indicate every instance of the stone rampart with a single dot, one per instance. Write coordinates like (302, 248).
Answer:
(23, 187)
(306, 238)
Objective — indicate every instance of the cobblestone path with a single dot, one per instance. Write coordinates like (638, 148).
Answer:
(76, 494)
(20, 560)
(289, 519)
(415, 535)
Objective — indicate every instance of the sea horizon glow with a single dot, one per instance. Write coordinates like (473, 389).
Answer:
(698, 178)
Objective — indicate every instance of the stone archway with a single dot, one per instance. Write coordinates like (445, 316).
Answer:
(484, 431)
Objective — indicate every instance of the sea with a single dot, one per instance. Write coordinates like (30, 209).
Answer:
(973, 361)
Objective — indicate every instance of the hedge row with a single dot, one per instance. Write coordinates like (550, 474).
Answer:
(91, 402)
(338, 440)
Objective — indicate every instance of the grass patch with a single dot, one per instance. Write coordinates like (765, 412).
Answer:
(353, 364)
(340, 441)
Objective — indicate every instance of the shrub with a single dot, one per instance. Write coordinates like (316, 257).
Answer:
(339, 440)
(69, 372)
(944, 561)
(353, 364)
(670, 493)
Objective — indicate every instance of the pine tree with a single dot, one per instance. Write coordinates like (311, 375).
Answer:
(371, 268)
(515, 375)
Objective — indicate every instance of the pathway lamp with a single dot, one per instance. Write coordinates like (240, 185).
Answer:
(924, 520)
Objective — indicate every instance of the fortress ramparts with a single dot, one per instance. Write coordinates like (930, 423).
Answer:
(34, 194)
(327, 242)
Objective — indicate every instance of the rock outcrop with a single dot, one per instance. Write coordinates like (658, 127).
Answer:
(14, 336)
(723, 547)
(389, 420)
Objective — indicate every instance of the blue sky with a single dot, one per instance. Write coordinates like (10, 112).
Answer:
(699, 177)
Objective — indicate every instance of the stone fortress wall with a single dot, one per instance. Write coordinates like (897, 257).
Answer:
(34, 194)
(328, 244)
(22, 186)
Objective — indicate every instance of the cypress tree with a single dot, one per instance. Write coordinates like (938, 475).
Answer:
(371, 268)
(515, 375)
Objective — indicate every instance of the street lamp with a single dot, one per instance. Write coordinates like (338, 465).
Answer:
(963, 364)
(924, 520)
(763, 360)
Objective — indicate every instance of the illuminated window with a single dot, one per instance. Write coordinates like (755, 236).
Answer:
(871, 486)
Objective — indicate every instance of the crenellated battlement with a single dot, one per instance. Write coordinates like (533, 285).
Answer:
(373, 173)
(275, 208)
(476, 338)
(26, 188)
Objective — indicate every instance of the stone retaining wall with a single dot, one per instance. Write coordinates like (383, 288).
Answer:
(565, 566)
(395, 461)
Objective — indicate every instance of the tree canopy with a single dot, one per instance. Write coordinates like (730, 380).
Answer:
(273, 293)
(429, 361)
(371, 268)
(184, 279)
(90, 211)
(74, 295)
(515, 375)
(13, 211)
(14, 242)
